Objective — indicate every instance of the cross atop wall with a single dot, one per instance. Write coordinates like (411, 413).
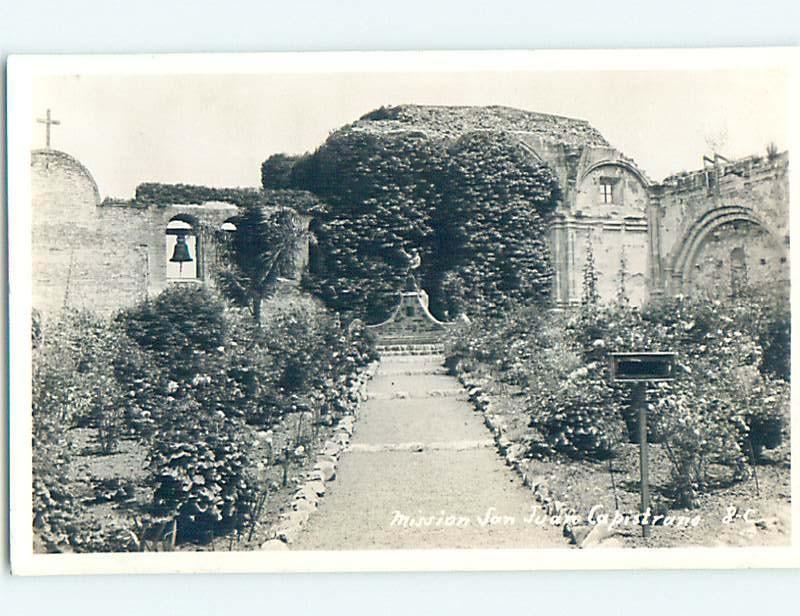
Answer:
(48, 122)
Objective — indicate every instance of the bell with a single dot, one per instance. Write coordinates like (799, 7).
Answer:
(181, 253)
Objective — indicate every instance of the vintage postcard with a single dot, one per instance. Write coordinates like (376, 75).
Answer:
(401, 311)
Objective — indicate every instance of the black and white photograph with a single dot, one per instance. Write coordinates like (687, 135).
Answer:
(401, 311)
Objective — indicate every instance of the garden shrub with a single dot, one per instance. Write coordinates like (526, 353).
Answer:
(192, 379)
(55, 509)
(769, 419)
(80, 376)
(246, 374)
(199, 462)
(569, 402)
(766, 314)
(697, 430)
(580, 418)
(180, 327)
(719, 410)
(78, 379)
(725, 407)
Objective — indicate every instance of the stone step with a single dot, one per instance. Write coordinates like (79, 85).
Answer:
(430, 369)
(411, 349)
(459, 393)
(405, 358)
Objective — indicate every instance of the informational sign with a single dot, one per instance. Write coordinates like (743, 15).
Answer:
(639, 369)
(642, 367)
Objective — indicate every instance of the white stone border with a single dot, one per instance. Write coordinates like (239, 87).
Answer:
(581, 535)
(306, 498)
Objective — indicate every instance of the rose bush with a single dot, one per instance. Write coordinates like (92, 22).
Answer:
(724, 409)
(193, 380)
(81, 377)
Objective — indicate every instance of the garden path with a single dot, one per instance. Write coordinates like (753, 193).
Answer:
(419, 450)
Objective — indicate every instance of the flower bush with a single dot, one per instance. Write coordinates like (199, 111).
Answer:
(199, 462)
(725, 408)
(192, 380)
(180, 327)
(80, 378)
(580, 417)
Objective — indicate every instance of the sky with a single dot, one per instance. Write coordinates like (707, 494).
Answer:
(216, 130)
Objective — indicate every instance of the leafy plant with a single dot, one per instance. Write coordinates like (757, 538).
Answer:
(78, 375)
(489, 225)
(473, 205)
(263, 248)
(725, 407)
(199, 461)
(180, 327)
(581, 417)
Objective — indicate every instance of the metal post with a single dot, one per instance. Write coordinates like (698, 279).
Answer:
(640, 401)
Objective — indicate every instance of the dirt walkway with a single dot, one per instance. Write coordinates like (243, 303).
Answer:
(422, 472)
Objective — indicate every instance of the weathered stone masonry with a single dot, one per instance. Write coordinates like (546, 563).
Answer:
(105, 255)
(693, 232)
(709, 223)
(702, 231)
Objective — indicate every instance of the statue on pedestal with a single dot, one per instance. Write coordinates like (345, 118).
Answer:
(414, 260)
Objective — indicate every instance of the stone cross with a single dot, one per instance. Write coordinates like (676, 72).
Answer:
(48, 122)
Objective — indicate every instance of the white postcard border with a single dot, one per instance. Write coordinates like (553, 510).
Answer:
(21, 72)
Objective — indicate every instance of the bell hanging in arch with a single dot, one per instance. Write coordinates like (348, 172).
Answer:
(181, 252)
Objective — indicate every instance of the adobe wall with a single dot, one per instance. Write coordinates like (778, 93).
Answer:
(103, 256)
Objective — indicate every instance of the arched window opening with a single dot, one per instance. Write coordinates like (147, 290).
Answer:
(224, 240)
(182, 250)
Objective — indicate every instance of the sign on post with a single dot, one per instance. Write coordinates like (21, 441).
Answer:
(639, 369)
(642, 367)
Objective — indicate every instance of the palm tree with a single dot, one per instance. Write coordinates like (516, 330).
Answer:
(262, 250)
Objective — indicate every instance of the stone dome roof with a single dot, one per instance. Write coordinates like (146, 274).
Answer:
(49, 159)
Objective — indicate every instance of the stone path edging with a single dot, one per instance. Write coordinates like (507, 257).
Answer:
(583, 536)
(306, 498)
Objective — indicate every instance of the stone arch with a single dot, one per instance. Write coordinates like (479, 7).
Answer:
(614, 163)
(696, 235)
(224, 235)
(230, 225)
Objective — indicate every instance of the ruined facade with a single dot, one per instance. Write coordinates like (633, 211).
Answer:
(103, 255)
(707, 231)
(606, 209)
(722, 226)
